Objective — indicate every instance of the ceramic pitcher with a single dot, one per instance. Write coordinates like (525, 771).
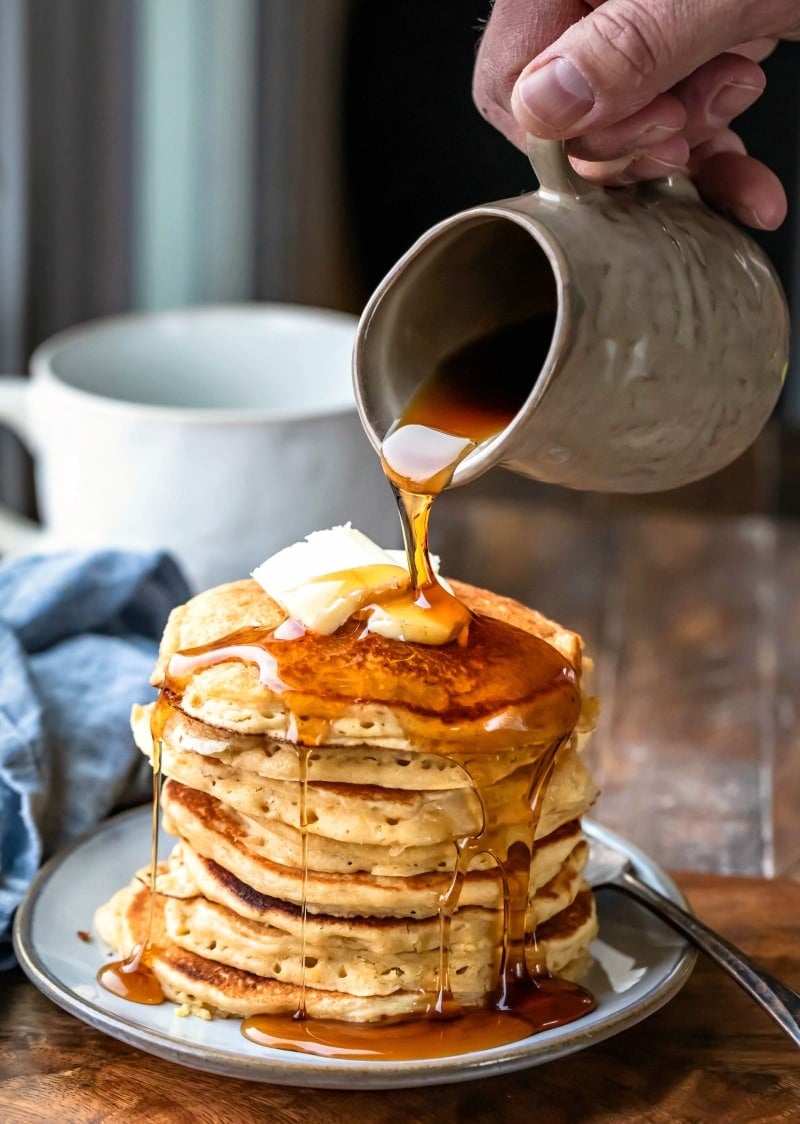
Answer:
(669, 329)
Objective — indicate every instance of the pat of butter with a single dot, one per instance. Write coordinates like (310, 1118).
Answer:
(330, 575)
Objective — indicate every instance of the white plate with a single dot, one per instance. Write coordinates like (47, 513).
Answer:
(647, 963)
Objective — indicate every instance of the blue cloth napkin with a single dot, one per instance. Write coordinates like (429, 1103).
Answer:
(79, 635)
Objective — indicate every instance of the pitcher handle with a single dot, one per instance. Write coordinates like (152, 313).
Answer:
(17, 534)
(557, 178)
(677, 185)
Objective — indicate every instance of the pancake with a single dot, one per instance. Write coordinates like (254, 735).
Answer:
(334, 798)
(225, 609)
(217, 831)
(188, 874)
(376, 691)
(277, 759)
(202, 984)
(235, 769)
(211, 958)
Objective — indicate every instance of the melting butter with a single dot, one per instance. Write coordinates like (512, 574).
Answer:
(333, 575)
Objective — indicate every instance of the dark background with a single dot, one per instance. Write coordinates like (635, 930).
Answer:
(408, 110)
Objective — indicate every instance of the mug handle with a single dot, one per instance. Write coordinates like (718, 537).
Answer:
(559, 180)
(17, 534)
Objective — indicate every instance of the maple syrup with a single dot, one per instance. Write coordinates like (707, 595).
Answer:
(133, 978)
(472, 394)
(477, 390)
(549, 1003)
(506, 688)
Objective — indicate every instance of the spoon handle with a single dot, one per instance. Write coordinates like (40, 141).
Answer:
(776, 998)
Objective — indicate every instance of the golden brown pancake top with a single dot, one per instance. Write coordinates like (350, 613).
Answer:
(516, 679)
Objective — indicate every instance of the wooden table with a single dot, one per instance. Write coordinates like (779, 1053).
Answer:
(709, 1055)
(692, 621)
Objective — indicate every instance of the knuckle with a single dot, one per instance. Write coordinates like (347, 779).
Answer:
(633, 37)
(482, 94)
(491, 89)
(489, 101)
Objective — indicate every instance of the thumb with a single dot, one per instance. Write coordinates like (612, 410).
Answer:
(618, 58)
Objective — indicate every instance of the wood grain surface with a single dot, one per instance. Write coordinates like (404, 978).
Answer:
(709, 1055)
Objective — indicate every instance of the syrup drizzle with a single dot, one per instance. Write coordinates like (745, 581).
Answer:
(133, 977)
(303, 752)
(452, 412)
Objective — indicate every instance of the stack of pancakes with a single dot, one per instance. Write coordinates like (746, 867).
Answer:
(313, 877)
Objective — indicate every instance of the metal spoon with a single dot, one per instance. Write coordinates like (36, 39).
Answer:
(610, 868)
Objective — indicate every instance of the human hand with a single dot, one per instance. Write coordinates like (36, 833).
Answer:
(639, 88)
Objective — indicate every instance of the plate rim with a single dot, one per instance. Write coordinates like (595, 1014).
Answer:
(300, 1070)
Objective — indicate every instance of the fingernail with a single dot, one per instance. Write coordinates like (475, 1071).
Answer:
(761, 218)
(557, 94)
(732, 100)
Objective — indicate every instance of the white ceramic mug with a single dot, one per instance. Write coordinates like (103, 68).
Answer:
(218, 433)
